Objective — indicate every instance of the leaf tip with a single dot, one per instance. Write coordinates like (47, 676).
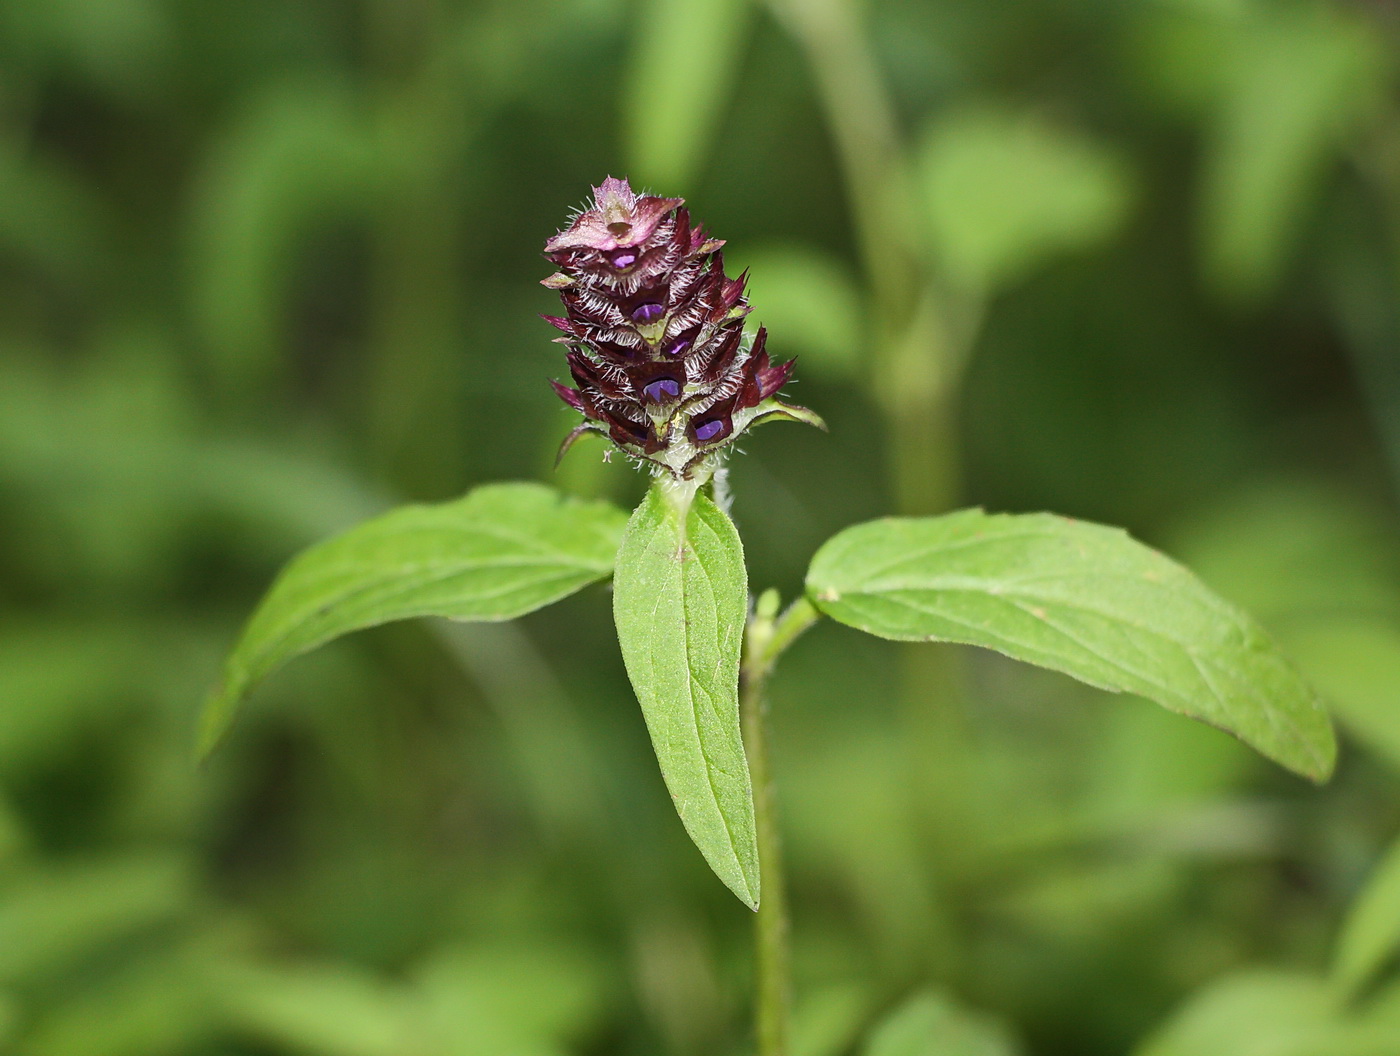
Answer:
(1323, 754)
(745, 888)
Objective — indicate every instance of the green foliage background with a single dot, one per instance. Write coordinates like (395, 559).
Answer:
(269, 268)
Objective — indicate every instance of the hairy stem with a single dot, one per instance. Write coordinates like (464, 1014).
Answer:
(767, 636)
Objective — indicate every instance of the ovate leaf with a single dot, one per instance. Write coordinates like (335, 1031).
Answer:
(680, 600)
(501, 551)
(1079, 598)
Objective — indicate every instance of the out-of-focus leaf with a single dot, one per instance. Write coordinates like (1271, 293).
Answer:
(1004, 191)
(851, 809)
(153, 1008)
(680, 599)
(495, 999)
(92, 445)
(932, 1025)
(9, 1017)
(55, 916)
(117, 44)
(1301, 79)
(47, 217)
(325, 1010)
(12, 834)
(1253, 1014)
(1371, 933)
(299, 155)
(1355, 662)
(1374, 1029)
(809, 303)
(109, 469)
(56, 678)
(827, 1019)
(1148, 767)
(462, 1002)
(1080, 598)
(1294, 548)
(681, 72)
(501, 551)
(1181, 51)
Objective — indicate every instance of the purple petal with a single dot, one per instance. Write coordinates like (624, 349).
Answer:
(661, 390)
(709, 430)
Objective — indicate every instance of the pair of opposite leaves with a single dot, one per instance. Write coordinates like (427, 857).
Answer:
(1075, 597)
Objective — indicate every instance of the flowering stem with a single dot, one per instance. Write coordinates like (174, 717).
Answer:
(767, 636)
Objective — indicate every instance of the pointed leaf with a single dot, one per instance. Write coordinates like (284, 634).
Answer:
(501, 551)
(1080, 598)
(680, 600)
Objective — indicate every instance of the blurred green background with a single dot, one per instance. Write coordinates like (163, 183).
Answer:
(267, 268)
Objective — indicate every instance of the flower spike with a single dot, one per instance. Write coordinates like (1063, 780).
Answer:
(655, 331)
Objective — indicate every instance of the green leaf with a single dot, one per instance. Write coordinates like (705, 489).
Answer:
(499, 552)
(327, 1009)
(516, 996)
(1251, 1014)
(680, 600)
(1080, 598)
(829, 1017)
(1371, 934)
(1004, 191)
(931, 1025)
(55, 917)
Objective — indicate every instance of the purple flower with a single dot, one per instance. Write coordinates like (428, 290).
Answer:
(655, 333)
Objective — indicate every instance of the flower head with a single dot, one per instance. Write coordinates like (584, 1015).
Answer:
(655, 333)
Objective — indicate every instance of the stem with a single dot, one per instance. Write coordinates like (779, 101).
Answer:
(772, 956)
(765, 640)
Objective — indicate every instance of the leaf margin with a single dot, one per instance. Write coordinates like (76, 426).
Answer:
(1314, 760)
(246, 666)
